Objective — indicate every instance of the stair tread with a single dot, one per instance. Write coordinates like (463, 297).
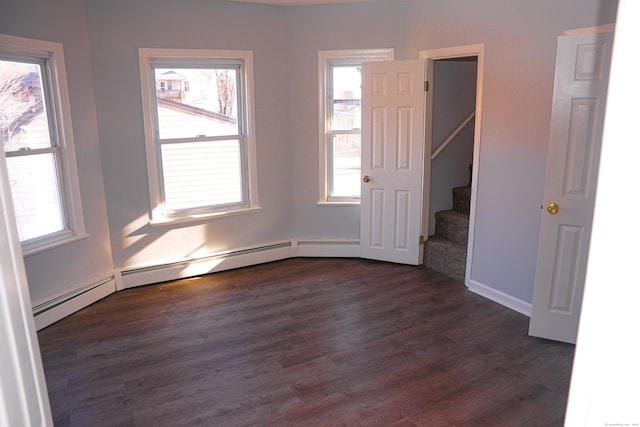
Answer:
(454, 213)
(447, 242)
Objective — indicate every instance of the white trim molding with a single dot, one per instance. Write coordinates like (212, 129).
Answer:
(430, 56)
(327, 58)
(246, 137)
(60, 115)
(501, 298)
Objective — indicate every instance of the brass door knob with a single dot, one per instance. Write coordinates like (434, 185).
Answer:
(553, 208)
(366, 178)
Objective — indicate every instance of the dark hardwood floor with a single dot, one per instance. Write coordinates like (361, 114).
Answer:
(304, 342)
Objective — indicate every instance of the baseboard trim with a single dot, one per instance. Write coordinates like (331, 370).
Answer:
(343, 248)
(211, 263)
(501, 298)
(65, 303)
(58, 306)
(48, 311)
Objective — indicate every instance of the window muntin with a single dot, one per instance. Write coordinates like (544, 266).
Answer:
(200, 145)
(340, 121)
(35, 130)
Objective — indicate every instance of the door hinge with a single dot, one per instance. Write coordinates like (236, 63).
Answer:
(426, 86)
(422, 240)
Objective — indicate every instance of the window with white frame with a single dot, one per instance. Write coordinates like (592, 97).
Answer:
(199, 132)
(339, 76)
(37, 140)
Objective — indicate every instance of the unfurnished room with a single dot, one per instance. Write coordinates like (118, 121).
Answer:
(318, 212)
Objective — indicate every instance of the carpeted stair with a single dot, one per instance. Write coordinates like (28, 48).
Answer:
(446, 250)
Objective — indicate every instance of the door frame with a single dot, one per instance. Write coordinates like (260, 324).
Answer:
(430, 56)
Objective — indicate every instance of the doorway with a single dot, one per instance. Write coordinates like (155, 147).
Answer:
(452, 144)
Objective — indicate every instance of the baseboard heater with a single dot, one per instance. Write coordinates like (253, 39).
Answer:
(61, 306)
(64, 298)
(219, 261)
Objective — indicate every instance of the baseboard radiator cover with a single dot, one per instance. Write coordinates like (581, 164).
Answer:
(227, 260)
(66, 303)
(54, 308)
(326, 248)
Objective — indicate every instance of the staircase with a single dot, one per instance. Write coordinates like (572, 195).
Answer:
(446, 250)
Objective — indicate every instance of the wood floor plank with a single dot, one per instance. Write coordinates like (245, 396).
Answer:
(303, 342)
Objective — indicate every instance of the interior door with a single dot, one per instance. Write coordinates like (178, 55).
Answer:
(393, 115)
(580, 89)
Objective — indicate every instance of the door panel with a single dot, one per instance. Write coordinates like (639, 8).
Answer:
(392, 157)
(580, 88)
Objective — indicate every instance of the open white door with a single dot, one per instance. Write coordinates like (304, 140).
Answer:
(580, 89)
(393, 115)
(23, 391)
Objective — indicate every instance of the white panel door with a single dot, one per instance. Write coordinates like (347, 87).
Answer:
(393, 116)
(580, 89)
(23, 390)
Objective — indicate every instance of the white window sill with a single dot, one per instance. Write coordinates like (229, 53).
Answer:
(33, 250)
(165, 220)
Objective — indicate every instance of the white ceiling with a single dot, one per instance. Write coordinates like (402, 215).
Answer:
(302, 2)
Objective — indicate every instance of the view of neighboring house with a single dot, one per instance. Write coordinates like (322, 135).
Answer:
(171, 85)
(24, 127)
(21, 118)
(193, 105)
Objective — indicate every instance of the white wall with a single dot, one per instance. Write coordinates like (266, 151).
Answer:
(59, 269)
(520, 44)
(118, 29)
(313, 28)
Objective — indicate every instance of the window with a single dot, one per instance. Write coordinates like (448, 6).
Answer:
(37, 139)
(199, 132)
(339, 76)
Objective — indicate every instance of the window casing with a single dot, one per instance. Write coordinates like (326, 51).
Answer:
(37, 140)
(339, 77)
(198, 113)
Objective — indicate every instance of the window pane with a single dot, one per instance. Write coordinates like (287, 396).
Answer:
(196, 102)
(35, 193)
(346, 82)
(346, 166)
(23, 116)
(201, 174)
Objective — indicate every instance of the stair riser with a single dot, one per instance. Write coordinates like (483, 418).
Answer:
(446, 257)
(446, 251)
(452, 226)
(462, 199)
